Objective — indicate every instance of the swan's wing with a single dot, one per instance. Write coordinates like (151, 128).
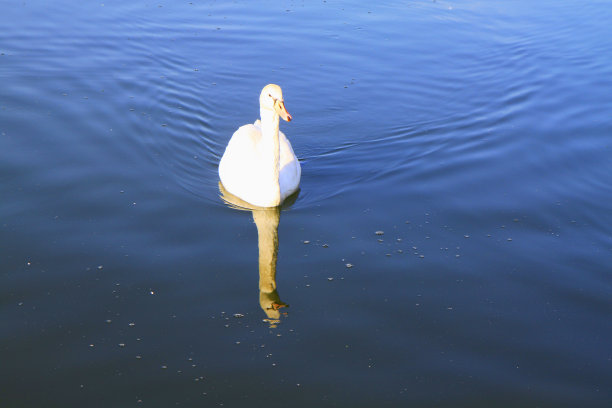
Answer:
(243, 140)
(290, 170)
(238, 161)
(286, 151)
(238, 153)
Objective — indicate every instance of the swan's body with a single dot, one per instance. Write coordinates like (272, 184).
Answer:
(259, 165)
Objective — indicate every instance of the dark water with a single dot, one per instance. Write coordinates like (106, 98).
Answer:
(475, 137)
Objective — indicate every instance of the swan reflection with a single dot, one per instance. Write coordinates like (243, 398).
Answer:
(266, 219)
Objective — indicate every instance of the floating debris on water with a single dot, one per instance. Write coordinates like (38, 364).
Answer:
(349, 265)
(380, 232)
(238, 315)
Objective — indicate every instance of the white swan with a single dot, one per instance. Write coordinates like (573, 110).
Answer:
(259, 165)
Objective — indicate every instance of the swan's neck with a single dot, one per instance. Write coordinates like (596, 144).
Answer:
(271, 151)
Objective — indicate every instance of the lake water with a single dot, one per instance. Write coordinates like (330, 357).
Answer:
(451, 244)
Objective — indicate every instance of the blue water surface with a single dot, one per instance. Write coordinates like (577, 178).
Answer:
(451, 245)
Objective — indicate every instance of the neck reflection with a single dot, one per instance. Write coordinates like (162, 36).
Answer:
(267, 221)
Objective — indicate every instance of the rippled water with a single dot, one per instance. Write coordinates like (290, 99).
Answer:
(450, 246)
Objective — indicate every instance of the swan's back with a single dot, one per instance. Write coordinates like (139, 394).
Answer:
(242, 167)
(243, 144)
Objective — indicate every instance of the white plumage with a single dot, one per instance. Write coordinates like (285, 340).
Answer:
(259, 165)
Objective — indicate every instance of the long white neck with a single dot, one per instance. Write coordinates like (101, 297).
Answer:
(270, 152)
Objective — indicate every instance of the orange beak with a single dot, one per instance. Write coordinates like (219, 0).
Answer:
(279, 107)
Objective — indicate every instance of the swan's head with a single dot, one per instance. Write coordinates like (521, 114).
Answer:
(271, 97)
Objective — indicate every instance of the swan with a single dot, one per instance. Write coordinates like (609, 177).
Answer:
(259, 165)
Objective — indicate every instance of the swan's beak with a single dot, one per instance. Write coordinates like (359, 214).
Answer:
(279, 107)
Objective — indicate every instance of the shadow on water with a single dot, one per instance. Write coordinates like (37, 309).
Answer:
(266, 220)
